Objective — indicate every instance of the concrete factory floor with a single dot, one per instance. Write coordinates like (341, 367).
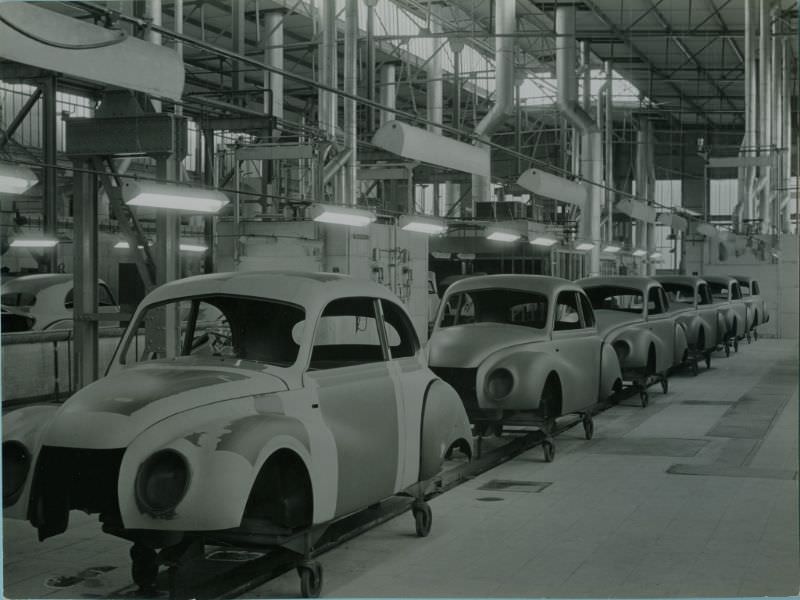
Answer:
(695, 495)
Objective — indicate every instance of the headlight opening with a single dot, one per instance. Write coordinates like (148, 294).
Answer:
(161, 482)
(499, 384)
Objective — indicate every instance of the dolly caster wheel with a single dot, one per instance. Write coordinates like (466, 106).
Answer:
(695, 368)
(727, 350)
(736, 345)
(423, 518)
(549, 449)
(665, 385)
(144, 569)
(644, 398)
(310, 573)
(755, 335)
(749, 337)
(708, 360)
(588, 427)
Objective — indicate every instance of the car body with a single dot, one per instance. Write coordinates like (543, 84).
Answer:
(47, 300)
(514, 344)
(751, 294)
(728, 297)
(690, 298)
(645, 334)
(313, 380)
(433, 299)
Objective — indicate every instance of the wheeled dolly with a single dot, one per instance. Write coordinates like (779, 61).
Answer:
(423, 517)
(310, 573)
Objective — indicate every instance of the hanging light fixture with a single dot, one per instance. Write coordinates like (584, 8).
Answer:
(193, 248)
(171, 196)
(584, 246)
(655, 255)
(16, 179)
(34, 242)
(612, 249)
(422, 224)
(544, 241)
(341, 215)
(498, 235)
(639, 252)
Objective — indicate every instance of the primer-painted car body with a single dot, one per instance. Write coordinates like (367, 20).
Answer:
(361, 432)
(648, 340)
(728, 298)
(691, 301)
(466, 355)
(751, 294)
(47, 300)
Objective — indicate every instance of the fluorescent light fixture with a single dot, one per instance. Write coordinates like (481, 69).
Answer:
(16, 179)
(503, 236)
(612, 249)
(543, 241)
(655, 255)
(125, 246)
(584, 246)
(341, 215)
(193, 248)
(640, 252)
(421, 224)
(170, 196)
(34, 243)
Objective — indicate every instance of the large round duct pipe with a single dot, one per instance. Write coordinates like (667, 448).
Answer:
(505, 25)
(591, 137)
(388, 91)
(350, 87)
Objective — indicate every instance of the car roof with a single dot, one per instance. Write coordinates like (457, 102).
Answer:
(639, 283)
(295, 287)
(33, 284)
(685, 279)
(747, 278)
(542, 284)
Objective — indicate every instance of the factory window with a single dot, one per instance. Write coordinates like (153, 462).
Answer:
(512, 307)
(220, 326)
(567, 316)
(347, 334)
(400, 332)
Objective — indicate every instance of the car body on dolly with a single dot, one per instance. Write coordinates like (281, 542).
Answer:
(248, 408)
(751, 295)
(727, 296)
(691, 301)
(633, 317)
(519, 346)
(44, 302)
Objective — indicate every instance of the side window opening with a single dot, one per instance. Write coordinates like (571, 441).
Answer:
(567, 316)
(347, 334)
(654, 306)
(586, 309)
(400, 333)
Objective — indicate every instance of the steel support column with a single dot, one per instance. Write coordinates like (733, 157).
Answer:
(85, 350)
(350, 87)
(50, 179)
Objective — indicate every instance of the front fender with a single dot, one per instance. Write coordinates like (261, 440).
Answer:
(638, 341)
(444, 423)
(681, 343)
(610, 372)
(529, 369)
(224, 454)
(26, 426)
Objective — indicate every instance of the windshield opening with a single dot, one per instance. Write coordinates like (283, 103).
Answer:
(219, 326)
(616, 298)
(512, 307)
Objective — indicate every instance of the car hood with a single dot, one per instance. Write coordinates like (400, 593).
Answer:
(466, 346)
(112, 411)
(610, 320)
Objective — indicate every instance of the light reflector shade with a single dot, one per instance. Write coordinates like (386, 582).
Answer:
(543, 241)
(34, 243)
(193, 248)
(655, 255)
(341, 215)
(640, 252)
(503, 236)
(124, 246)
(553, 186)
(16, 179)
(173, 197)
(612, 249)
(421, 224)
(584, 246)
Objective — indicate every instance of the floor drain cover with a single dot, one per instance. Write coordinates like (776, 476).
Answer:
(490, 499)
(510, 485)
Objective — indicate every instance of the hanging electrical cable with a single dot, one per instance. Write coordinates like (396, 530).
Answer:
(61, 45)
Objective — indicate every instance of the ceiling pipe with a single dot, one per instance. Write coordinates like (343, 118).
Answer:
(744, 205)
(764, 105)
(591, 138)
(505, 23)
(388, 92)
